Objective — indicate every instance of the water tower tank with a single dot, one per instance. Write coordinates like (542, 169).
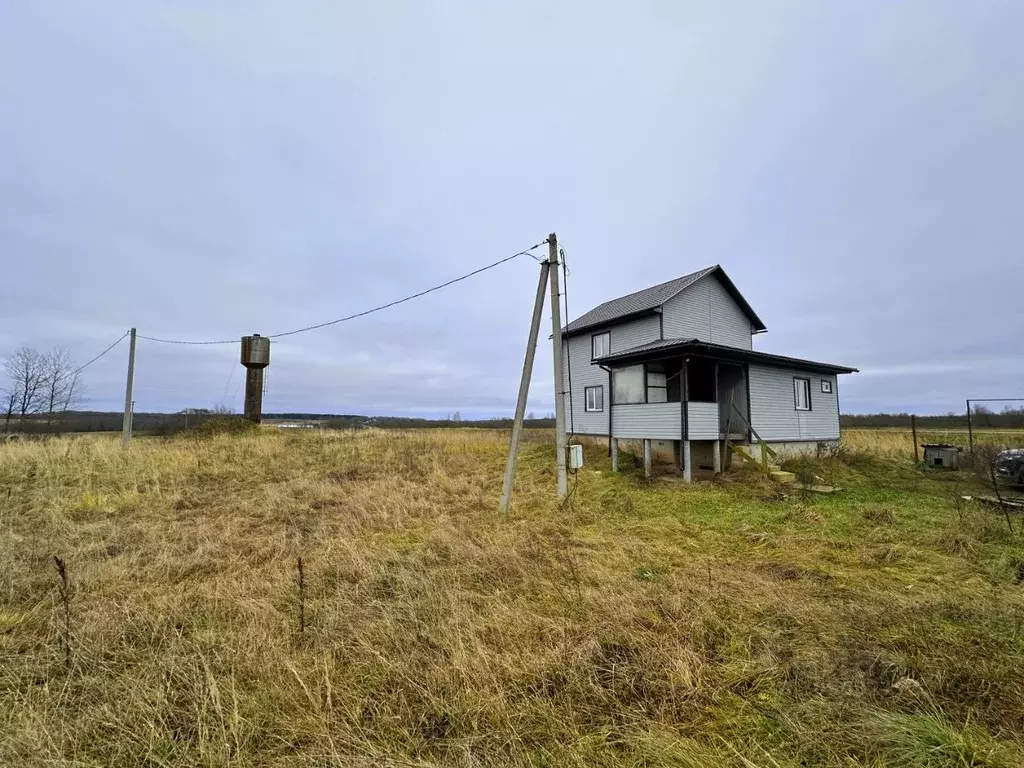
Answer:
(255, 351)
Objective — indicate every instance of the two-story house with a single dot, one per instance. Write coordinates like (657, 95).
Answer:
(676, 363)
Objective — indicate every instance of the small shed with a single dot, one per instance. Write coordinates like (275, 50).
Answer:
(941, 455)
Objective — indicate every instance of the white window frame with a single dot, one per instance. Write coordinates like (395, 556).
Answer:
(826, 387)
(798, 385)
(607, 336)
(586, 399)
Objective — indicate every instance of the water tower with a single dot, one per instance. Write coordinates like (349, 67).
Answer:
(255, 357)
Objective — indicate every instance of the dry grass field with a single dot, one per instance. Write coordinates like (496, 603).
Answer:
(646, 623)
(898, 443)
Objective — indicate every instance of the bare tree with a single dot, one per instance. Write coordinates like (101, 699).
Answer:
(60, 378)
(74, 392)
(26, 369)
(10, 400)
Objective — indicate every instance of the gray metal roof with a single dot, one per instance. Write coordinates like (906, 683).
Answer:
(665, 347)
(651, 346)
(650, 299)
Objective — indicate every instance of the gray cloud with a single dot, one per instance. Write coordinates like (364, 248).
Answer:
(204, 171)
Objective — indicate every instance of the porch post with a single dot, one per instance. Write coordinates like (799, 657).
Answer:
(615, 454)
(647, 458)
(718, 457)
(687, 464)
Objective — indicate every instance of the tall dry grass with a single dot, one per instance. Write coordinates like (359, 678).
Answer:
(898, 443)
(644, 623)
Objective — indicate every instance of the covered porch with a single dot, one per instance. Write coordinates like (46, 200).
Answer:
(698, 402)
(698, 394)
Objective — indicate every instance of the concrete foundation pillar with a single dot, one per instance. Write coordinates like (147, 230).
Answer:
(615, 454)
(647, 458)
(718, 456)
(687, 463)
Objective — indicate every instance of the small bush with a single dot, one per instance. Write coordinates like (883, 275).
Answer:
(223, 425)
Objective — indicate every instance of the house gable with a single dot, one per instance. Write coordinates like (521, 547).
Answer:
(653, 300)
(708, 311)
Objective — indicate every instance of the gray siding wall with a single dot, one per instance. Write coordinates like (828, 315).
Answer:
(703, 421)
(576, 352)
(707, 312)
(771, 406)
(657, 421)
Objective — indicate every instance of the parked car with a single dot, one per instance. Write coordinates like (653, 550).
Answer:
(1010, 466)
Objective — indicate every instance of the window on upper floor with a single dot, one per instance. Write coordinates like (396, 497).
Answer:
(600, 345)
(802, 394)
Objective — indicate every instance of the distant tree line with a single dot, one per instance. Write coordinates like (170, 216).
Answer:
(41, 386)
(189, 418)
(981, 417)
(402, 422)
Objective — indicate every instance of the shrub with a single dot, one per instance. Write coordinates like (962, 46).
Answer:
(223, 425)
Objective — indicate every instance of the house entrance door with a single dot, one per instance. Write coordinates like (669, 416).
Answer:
(732, 397)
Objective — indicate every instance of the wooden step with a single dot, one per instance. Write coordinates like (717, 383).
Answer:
(781, 476)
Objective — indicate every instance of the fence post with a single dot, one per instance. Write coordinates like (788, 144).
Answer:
(970, 430)
(913, 431)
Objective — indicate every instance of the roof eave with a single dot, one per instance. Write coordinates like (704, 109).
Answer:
(721, 351)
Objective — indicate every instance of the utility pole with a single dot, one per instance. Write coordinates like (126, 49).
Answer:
(524, 388)
(556, 347)
(126, 424)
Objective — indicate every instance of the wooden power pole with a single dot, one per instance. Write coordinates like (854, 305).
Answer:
(129, 406)
(556, 346)
(524, 389)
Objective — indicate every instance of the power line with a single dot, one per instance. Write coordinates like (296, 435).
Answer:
(411, 297)
(101, 354)
(568, 357)
(525, 252)
(177, 341)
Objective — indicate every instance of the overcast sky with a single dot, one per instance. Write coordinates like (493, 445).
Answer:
(204, 170)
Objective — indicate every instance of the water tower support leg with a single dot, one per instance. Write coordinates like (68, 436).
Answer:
(254, 394)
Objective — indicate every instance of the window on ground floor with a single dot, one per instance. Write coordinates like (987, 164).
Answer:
(593, 398)
(802, 394)
(664, 381)
(628, 385)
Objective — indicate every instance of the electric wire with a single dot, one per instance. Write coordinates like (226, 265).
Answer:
(524, 252)
(231, 376)
(410, 297)
(568, 357)
(101, 354)
(194, 343)
(570, 497)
